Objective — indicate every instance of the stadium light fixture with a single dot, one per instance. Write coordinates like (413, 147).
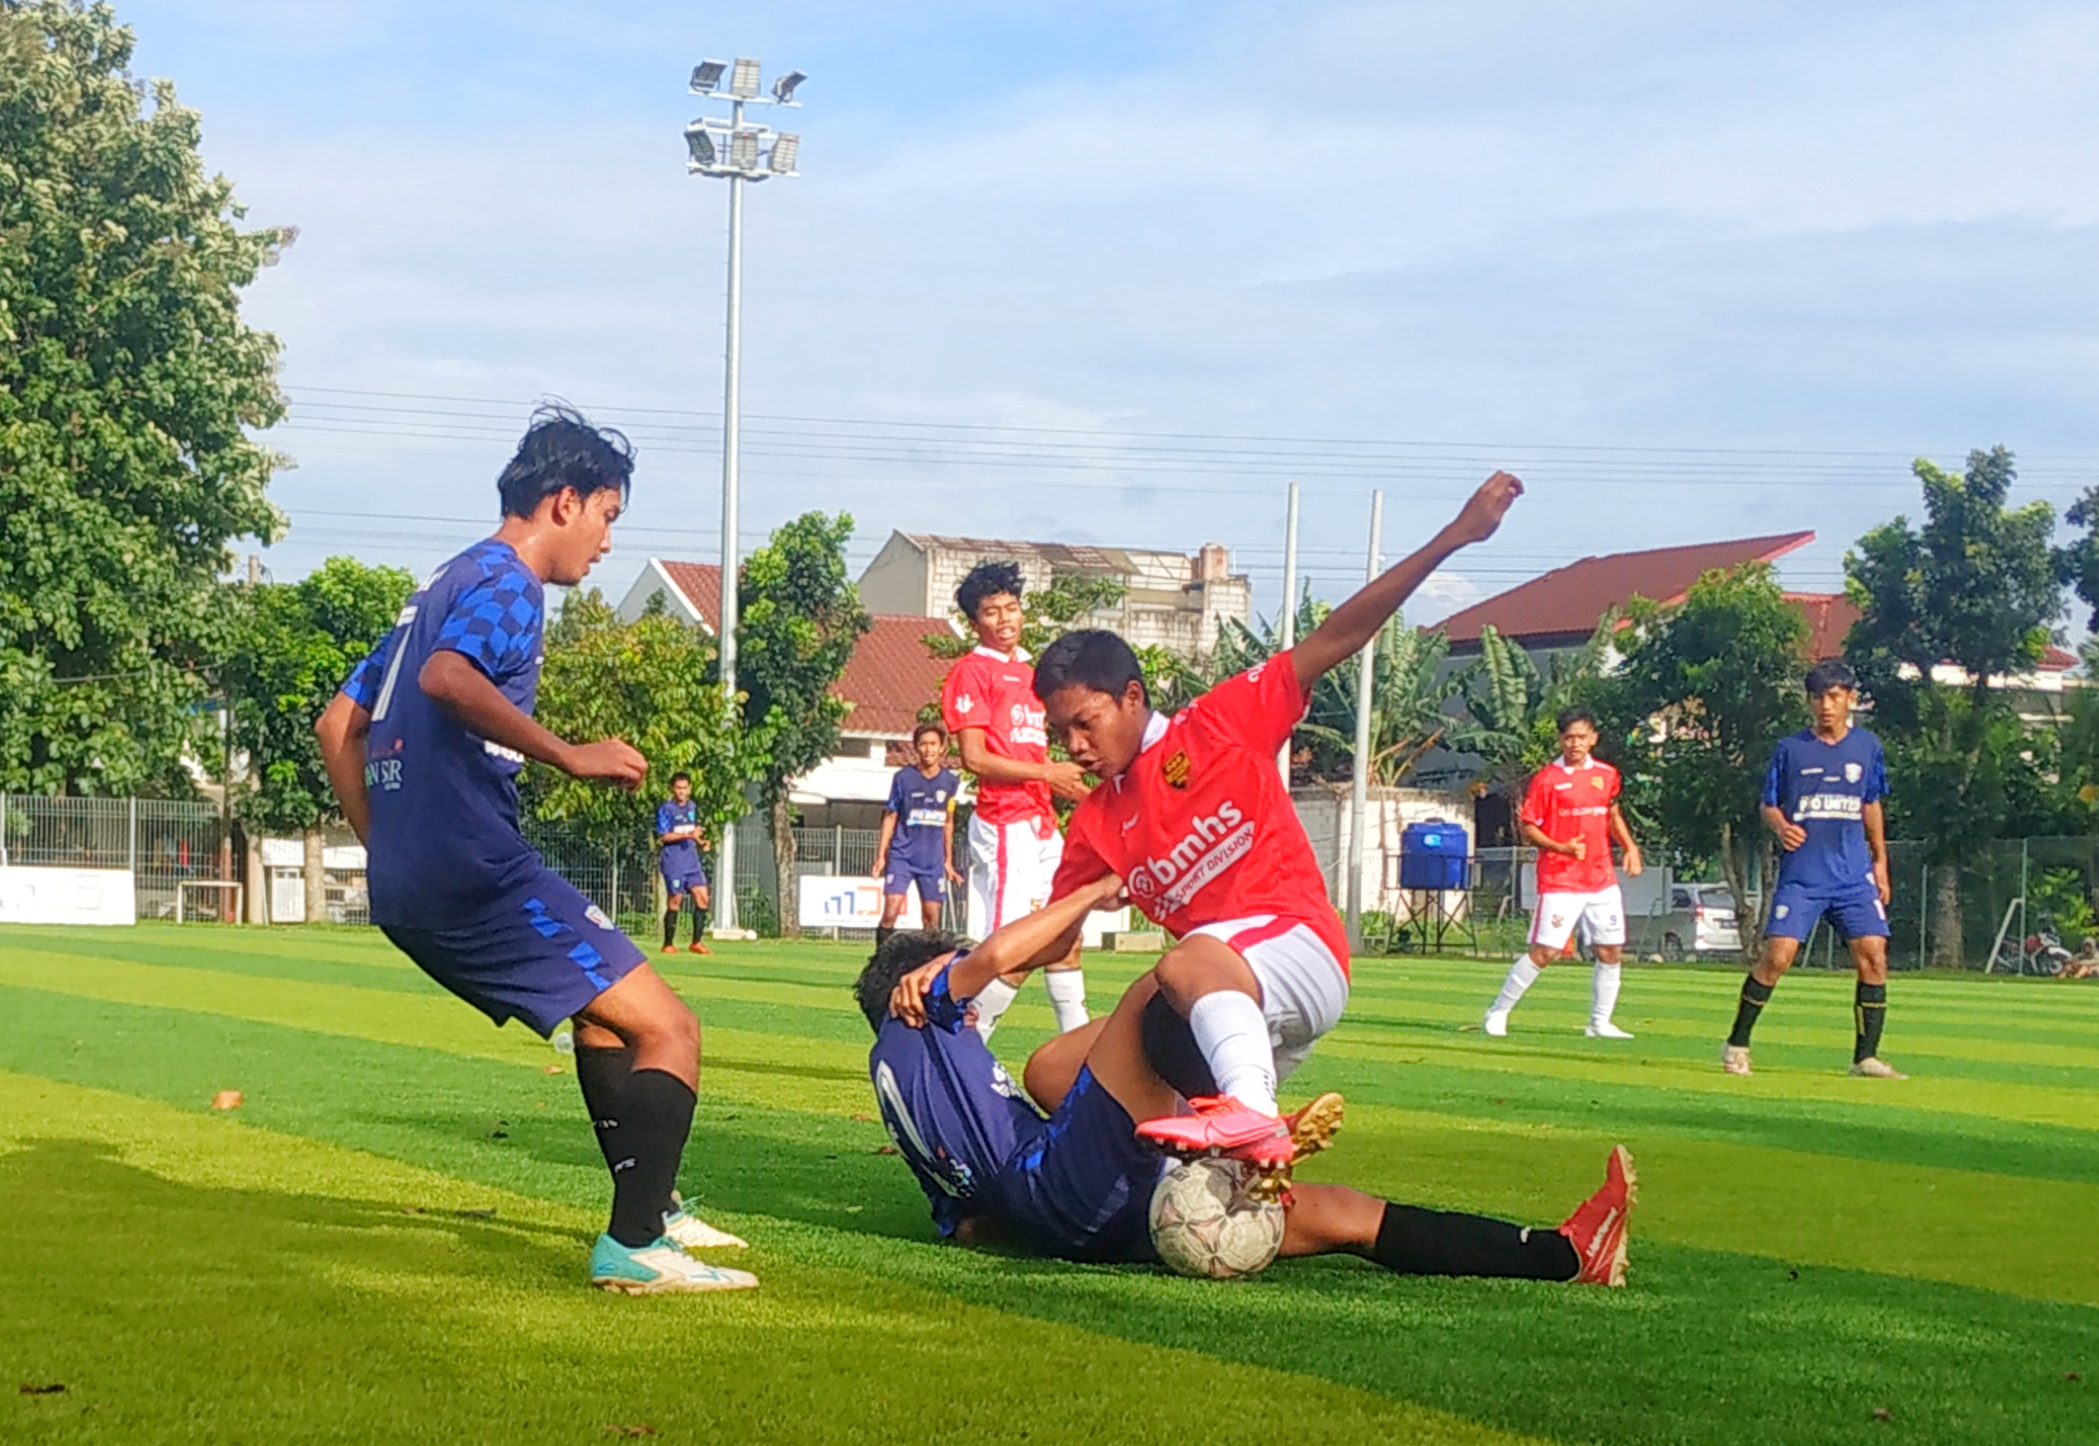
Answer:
(699, 147)
(736, 152)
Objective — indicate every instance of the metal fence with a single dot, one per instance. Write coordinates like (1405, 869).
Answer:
(2018, 905)
(163, 842)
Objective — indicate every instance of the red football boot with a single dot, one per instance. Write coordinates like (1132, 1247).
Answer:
(1597, 1228)
(1221, 1125)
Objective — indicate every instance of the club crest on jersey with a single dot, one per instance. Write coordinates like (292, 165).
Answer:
(1597, 782)
(1176, 769)
(1853, 772)
(596, 916)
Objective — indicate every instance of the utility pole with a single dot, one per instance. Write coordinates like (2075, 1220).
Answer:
(736, 152)
(1286, 626)
(1359, 779)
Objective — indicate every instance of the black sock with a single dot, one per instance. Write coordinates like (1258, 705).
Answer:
(1755, 996)
(670, 927)
(603, 1075)
(1870, 1009)
(1414, 1241)
(656, 1117)
(882, 933)
(699, 924)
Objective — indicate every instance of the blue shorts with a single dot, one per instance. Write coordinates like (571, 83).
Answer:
(683, 878)
(541, 957)
(898, 877)
(1082, 1189)
(1854, 911)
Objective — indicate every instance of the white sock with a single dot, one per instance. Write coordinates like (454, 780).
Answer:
(1067, 992)
(1232, 1033)
(1603, 997)
(992, 1001)
(1522, 974)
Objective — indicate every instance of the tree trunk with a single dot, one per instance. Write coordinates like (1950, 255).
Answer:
(1749, 918)
(1945, 905)
(316, 878)
(785, 891)
(256, 878)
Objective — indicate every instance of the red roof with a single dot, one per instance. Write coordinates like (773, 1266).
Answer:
(1565, 604)
(1829, 619)
(700, 583)
(891, 675)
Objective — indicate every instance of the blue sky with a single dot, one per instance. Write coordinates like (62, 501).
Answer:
(1117, 272)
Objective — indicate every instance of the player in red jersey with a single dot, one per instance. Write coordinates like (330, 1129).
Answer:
(1192, 815)
(992, 712)
(1571, 815)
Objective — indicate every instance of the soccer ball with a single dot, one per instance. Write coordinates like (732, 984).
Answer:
(1204, 1223)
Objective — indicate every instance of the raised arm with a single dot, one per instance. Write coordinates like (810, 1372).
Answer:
(1353, 624)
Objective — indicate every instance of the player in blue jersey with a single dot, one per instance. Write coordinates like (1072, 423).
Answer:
(424, 745)
(1822, 798)
(678, 837)
(917, 845)
(1077, 1184)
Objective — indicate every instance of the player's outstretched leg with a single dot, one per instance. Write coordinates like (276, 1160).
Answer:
(1590, 1248)
(637, 1060)
(1779, 953)
(1209, 984)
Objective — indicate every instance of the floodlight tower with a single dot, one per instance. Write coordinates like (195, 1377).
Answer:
(736, 152)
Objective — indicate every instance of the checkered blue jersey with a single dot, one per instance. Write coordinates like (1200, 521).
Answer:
(684, 853)
(955, 1114)
(1825, 787)
(444, 848)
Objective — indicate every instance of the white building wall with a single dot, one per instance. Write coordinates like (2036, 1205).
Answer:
(1323, 809)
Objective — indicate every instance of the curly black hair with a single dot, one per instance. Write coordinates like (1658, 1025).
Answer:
(987, 579)
(1830, 673)
(562, 449)
(900, 953)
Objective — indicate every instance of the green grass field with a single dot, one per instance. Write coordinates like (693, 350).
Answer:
(387, 1240)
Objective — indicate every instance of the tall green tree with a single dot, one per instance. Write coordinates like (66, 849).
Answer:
(129, 388)
(1511, 705)
(801, 617)
(293, 646)
(649, 682)
(1976, 587)
(1719, 674)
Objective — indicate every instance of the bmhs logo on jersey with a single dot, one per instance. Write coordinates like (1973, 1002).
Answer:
(1176, 770)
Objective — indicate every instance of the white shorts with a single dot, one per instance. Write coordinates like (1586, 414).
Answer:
(1011, 868)
(1601, 916)
(1303, 987)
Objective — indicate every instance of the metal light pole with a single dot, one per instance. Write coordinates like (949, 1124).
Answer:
(1359, 781)
(1286, 628)
(735, 152)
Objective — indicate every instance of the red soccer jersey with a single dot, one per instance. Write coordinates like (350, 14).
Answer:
(1570, 803)
(1200, 826)
(997, 694)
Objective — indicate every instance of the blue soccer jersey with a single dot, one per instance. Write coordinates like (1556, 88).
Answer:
(444, 847)
(683, 856)
(921, 806)
(955, 1114)
(1825, 787)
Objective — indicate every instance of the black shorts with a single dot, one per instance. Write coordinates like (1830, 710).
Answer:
(1082, 1189)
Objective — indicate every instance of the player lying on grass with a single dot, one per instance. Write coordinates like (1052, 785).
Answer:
(1077, 1185)
(1822, 798)
(1191, 813)
(424, 745)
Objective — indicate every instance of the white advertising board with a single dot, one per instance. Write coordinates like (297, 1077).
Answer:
(33, 895)
(843, 901)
